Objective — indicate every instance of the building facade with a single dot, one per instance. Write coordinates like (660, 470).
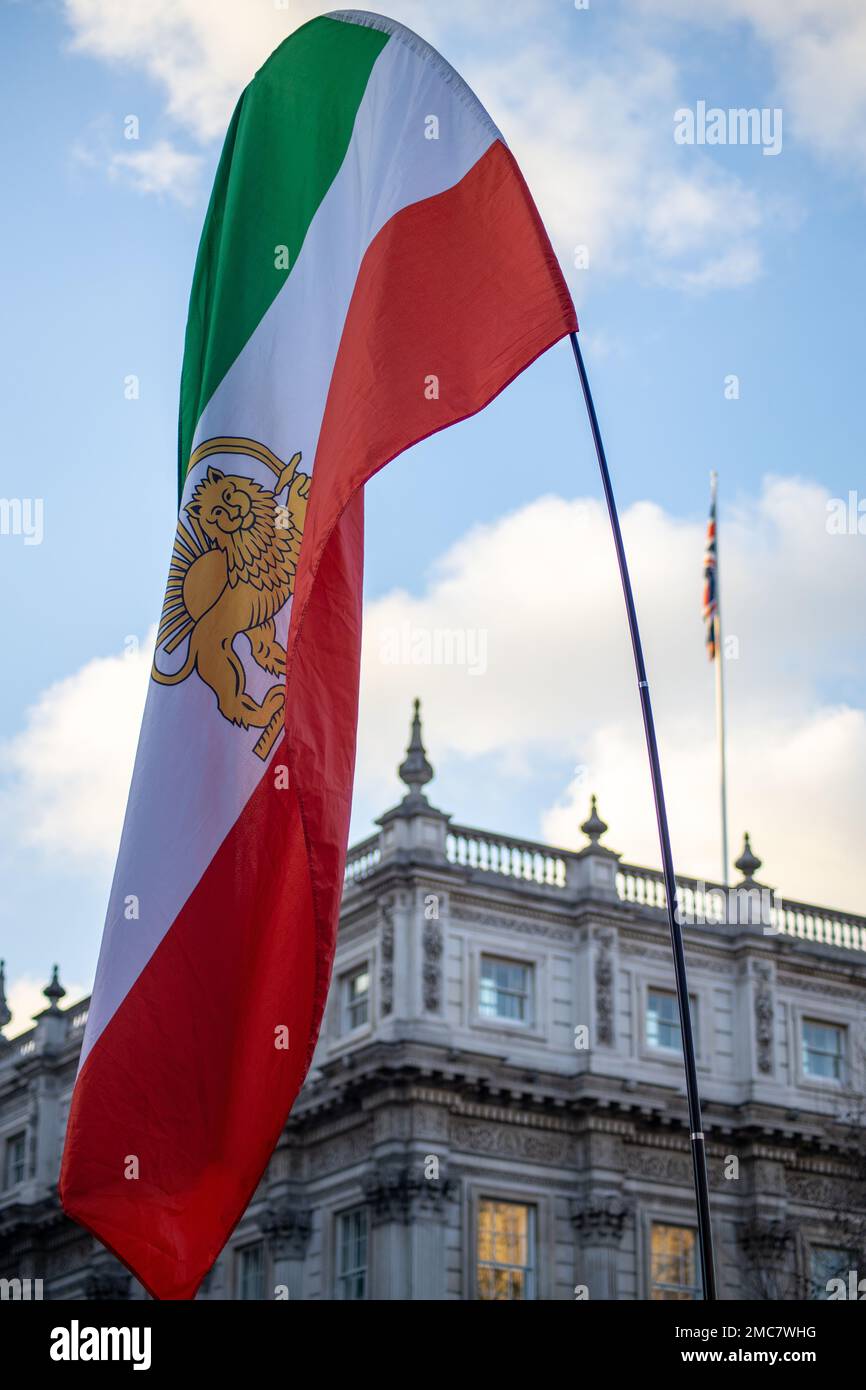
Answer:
(496, 1108)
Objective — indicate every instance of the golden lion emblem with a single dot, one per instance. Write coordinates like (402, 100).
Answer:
(232, 569)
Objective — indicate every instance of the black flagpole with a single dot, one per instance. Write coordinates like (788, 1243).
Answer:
(699, 1156)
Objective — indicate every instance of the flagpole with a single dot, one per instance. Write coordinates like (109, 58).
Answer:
(696, 1135)
(720, 688)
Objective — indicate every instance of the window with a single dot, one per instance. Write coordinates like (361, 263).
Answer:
(823, 1050)
(251, 1271)
(663, 1020)
(352, 1253)
(505, 1250)
(673, 1266)
(15, 1167)
(826, 1262)
(356, 998)
(505, 990)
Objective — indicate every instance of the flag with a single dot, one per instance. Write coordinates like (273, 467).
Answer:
(372, 269)
(711, 604)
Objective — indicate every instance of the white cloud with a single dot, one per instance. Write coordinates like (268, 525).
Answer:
(819, 51)
(203, 52)
(557, 682)
(66, 774)
(596, 145)
(738, 266)
(162, 169)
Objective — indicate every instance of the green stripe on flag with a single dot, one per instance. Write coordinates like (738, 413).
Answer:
(286, 141)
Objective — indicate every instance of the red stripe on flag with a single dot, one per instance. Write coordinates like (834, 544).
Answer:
(185, 1077)
(188, 1060)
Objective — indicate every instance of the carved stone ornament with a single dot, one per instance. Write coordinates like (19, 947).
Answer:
(604, 994)
(764, 1016)
(386, 950)
(287, 1227)
(674, 1168)
(399, 1191)
(432, 967)
(513, 1141)
(600, 1220)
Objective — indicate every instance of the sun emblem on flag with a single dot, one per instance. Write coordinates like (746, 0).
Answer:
(232, 570)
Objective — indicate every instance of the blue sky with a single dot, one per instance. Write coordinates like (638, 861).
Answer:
(703, 262)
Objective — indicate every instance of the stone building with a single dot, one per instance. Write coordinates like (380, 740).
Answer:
(496, 1107)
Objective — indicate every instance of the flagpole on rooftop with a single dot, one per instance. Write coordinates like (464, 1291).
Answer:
(720, 686)
(699, 1159)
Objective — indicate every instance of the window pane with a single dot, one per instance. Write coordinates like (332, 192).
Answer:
(485, 1231)
(15, 1165)
(352, 1254)
(251, 1272)
(823, 1049)
(673, 1268)
(505, 1253)
(504, 990)
(663, 1023)
(356, 998)
(663, 1019)
(360, 983)
(825, 1263)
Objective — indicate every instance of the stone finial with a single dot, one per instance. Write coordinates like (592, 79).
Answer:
(415, 770)
(54, 990)
(591, 871)
(5, 1013)
(593, 827)
(748, 862)
(413, 827)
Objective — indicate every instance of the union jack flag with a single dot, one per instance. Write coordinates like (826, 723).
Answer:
(711, 603)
